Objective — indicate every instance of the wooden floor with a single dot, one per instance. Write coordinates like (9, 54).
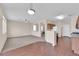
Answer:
(43, 49)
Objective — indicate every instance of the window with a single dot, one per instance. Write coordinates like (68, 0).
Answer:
(35, 27)
(4, 30)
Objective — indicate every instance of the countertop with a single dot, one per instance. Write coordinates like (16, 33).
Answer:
(75, 34)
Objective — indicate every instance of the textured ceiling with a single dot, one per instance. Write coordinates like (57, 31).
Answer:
(18, 11)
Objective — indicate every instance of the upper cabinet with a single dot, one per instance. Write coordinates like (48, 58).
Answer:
(50, 26)
(77, 23)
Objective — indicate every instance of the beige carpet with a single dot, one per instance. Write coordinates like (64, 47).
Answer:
(13, 43)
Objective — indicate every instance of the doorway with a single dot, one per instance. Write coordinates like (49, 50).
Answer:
(42, 28)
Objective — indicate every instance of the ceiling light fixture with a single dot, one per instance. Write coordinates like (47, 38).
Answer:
(60, 17)
(31, 11)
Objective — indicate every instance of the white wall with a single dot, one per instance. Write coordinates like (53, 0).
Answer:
(19, 28)
(66, 30)
(62, 24)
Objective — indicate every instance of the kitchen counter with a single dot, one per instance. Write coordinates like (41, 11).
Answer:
(75, 34)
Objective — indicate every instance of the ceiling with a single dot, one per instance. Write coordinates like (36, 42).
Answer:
(18, 11)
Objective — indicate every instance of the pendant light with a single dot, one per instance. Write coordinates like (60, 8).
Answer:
(31, 11)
